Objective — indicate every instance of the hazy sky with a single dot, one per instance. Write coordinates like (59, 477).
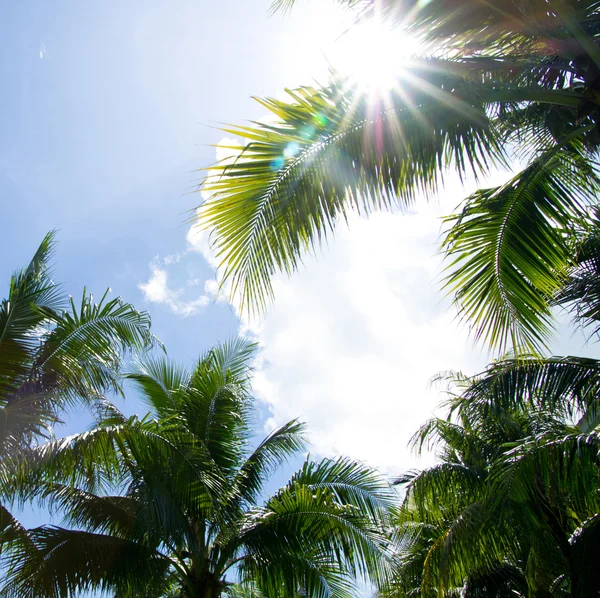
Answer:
(108, 108)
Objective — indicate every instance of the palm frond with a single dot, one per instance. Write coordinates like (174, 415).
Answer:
(581, 290)
(298, 573)
(477, 25)
(564, 385)
(97, 460)
(85, 347)
(568, 467)
(330, 151)
(350, 482)
(233, 358)
(158, 379)
(441, 490)
(279, 446)
(585, 543)
(508, 247)
(62, 562)
(30, 290)
(11, 531)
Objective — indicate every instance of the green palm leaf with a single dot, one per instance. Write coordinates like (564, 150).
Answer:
(331, 151)
(181, 491)
(335, 508)
(30, 290)
(63, 562)
(565, 385)
(11, 530)
(509, 249)
(581, 291)
(279, 446)
(85, 347)
(567, 465)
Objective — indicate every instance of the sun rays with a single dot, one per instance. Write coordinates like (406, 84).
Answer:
(373, 55)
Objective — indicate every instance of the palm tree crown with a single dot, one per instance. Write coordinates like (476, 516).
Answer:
(190, 515)
(511, 508)
(53, 353)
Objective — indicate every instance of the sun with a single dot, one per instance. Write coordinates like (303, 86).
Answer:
(373, 55)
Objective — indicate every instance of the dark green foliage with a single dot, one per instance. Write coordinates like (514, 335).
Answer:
(511, 509)
(189, 512)
(53, 353)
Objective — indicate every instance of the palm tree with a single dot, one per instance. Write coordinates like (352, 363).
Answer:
(54, 353)
(171, 503)
(497, 79)
(511, 509)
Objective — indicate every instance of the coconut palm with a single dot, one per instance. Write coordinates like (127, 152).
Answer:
(172, 503)
(511, 509)
(54, 353)
(496, 79)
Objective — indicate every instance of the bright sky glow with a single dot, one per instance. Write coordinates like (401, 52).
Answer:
(372, 54)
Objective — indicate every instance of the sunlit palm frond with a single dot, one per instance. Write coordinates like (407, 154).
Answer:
(211, 402)
(330, 151)
(329, 521)
(85, 346)
(508, 247)
(350, 482)
(180, 488)
(304, 521)
(53, 352)
(279, 446)
(158, 380)
(447, 436)
(469, 544)
(478, 26)
(567, 467)
(442, 491)
(97, 460)
(233, 358)
(299, 573)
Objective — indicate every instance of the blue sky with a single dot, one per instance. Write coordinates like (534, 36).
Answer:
(109, 107)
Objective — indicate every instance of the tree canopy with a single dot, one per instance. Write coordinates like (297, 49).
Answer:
(174, 501)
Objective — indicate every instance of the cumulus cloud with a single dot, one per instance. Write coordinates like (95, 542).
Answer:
(157, 290)
(353, 340)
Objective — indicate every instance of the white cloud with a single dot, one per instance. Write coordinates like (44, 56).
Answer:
(352, 341)
(173, 258)
(157, 290)
(43, 51)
